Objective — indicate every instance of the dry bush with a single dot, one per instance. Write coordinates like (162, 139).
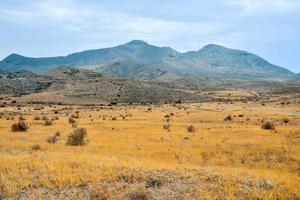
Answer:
(37, 118)
(114, 118)
(21, 126)
(153, 183)
(100, 193)
(138, 195)
(228, 118)
(52, 139)
(77, 138)
(22, 118)
(191, 129)
(55, 118)
(166, 126)
(72, 121)
(285, 120)
(268, 125)
(48, 122)
(36, 147)
(44, 118)
(75, 116)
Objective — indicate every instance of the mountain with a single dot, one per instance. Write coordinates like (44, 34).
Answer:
(141, 60)
(131, 70)
(294, 80)
(65, 73)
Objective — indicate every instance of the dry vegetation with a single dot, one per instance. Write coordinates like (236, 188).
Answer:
(180, 151)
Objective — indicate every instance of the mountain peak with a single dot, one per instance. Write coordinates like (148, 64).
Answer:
(213, 47)
(137, 42)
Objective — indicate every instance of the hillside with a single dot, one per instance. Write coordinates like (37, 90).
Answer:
(141, 60)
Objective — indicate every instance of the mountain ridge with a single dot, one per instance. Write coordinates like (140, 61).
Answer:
(212, 61)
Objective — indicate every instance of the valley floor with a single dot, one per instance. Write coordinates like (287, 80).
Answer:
(152, 152)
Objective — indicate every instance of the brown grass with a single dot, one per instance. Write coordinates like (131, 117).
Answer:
(236, 160)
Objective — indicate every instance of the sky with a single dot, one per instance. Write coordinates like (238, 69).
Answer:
(38, 28)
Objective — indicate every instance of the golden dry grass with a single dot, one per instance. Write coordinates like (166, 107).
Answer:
(221, 160)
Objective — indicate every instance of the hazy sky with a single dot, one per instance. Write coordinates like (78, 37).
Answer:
(269, 28)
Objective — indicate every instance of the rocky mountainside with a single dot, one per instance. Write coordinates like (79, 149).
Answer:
(66, 73)
(140, 60)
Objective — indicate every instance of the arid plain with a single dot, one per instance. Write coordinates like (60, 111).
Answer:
(212, 150)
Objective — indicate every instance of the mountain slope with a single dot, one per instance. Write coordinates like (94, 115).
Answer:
(137, 56)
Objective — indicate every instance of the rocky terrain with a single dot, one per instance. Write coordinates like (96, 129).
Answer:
(161, 86)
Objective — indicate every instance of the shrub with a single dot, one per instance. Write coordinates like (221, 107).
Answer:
(72, 121)
(138, 195)
(228, 118)
(48, 123)
(77, 137)
(55, 118)
(166, 126)
(285, 120)
(75, 116)
(191, 129)
(21, 126)
(44, 118)
(114, 118)
(57, 134)
(152, 183)
(21, 118)
(37, 118)
(52, 139)
(268, 125)
(36, 147)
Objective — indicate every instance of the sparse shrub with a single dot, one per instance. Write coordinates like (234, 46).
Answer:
(100, 192)
(48, 122)
(138, 195)
(75, 116)
(191, 129)
(72, 121)
(44, 118)
(241, 115)
(153, 183)
(178, 101)
(36, 147)
(55, 118)
(268, 125)
(166, 126)
(228, 118)
(52, 139)
(21, 118)
(285, 120)
(37, 118)
(114, 118)
(21, 126)
(77, 138)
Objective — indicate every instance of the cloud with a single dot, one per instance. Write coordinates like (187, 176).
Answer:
(83, 24)
(268, 6)
(71, 16)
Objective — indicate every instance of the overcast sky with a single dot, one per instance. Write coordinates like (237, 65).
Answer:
(269, 28)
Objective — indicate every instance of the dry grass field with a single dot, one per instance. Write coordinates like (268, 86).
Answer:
(182, 151)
